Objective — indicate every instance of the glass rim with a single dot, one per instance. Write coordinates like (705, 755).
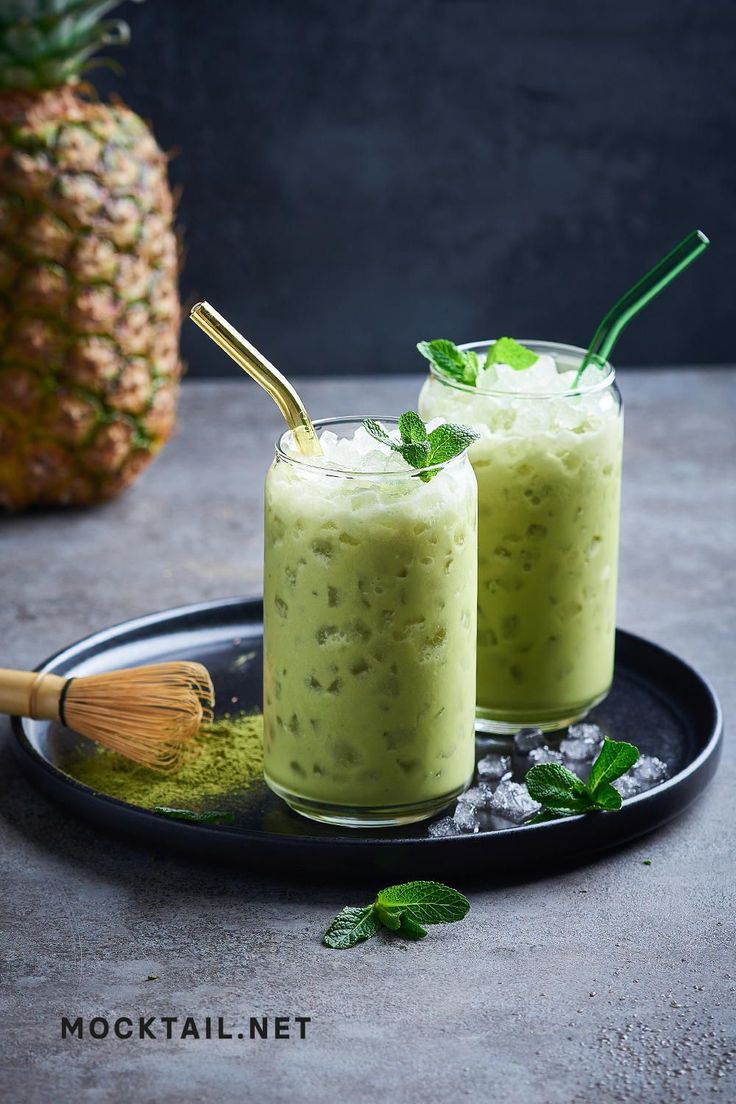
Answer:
(392, 420)
(571, 392)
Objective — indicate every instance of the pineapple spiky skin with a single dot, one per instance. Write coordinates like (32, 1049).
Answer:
(89, 307)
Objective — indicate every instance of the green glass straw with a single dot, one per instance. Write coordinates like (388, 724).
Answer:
(607, 334)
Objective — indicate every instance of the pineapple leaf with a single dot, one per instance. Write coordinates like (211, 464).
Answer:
(45, 45)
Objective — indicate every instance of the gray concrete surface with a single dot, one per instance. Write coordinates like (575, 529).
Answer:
(611, 982)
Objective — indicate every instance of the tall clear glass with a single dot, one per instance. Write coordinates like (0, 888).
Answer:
(549, 481)
(369, 637)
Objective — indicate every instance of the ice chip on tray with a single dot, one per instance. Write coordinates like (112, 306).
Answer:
(491, 768)
(513, 802)
(479, 797)
(526, 739)
(646, 772)
(440, 829)
(583, 742)
(650, 770)
(627, 786)
(466, 817)
(544, 755)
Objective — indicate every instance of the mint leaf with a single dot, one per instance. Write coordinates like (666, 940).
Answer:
(459, 364)
(400, 908)
(607, 797)
(614, 759)
(562, 793)
(416, 455)
(424, 902)
(391, 920)
(558, 789)
(448, 441)
(411, 930)
(412, 429)
(472, 365)
(543, 816)
(370, 425)
(351, 926)
(508, 351)
(419, 449)
(215, 817)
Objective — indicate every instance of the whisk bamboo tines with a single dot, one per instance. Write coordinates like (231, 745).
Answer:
(149, 714)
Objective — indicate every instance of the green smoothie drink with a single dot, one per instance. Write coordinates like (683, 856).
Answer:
(369, 629)
(548, 465)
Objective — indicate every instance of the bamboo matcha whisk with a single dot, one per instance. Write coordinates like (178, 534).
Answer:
(149, 714)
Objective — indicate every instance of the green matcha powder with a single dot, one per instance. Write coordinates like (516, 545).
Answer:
(226, 758)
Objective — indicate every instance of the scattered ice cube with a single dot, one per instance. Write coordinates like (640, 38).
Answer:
(466, 817)
(583, 741)
(646, 772)
(586, 732)
(513, 802)
(478, 796)
(526, 739)
(493, 767)
(627, 786)
(445, 827)
(544, 755)
(649, 770)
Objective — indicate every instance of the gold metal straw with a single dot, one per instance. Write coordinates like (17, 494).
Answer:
(263, 372)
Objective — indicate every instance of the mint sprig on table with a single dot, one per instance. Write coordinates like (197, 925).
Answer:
(419, 448)
(463, 365)
(403, 909)
(562, 793)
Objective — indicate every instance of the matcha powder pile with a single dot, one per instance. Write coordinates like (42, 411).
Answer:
(228, 758)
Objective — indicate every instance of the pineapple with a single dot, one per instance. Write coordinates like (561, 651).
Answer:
(89, 308)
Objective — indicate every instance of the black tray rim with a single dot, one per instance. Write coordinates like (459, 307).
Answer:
(64, 786)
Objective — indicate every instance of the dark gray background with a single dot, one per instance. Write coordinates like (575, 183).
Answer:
(359, 174)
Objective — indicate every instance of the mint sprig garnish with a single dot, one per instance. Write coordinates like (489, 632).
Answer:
(508, 351)
(419, 448)
(463, 365)
(403, 909)
(562, 793)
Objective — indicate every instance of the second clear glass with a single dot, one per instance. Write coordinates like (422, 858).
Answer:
(549, 479)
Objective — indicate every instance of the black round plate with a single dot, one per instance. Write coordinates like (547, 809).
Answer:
(657, 702)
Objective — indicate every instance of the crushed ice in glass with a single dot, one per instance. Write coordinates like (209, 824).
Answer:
(513, 802)
(526, 739)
